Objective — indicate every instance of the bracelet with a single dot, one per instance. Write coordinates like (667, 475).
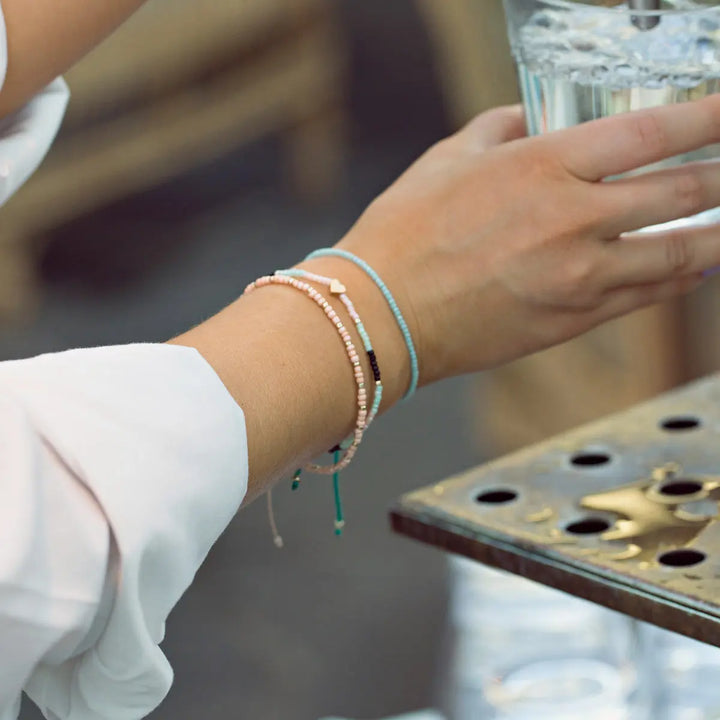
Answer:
(350, 445)
(414, 370)
(362, 414)
(337, 288)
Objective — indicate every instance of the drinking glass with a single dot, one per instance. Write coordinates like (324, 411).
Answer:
(579, 60)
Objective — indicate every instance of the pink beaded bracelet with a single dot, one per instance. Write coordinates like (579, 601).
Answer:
(339, 290)
(362, 414)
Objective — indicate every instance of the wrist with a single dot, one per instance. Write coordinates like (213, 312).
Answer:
(282, 361)
(284, 365)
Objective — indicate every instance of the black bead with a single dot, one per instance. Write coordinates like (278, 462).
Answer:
(374, 365)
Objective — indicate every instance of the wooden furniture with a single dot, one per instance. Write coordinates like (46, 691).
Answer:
(610, 368)
(180, 84)
(472, 55)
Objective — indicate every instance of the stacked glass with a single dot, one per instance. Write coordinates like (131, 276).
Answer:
(523, 651)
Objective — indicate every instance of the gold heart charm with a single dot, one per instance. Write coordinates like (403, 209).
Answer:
(336, 287)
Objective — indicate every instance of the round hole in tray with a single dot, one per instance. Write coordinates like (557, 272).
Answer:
(587, 526)
(590, 459)
(496, 496)
(680, 423)
(681, 558)
(680, 487)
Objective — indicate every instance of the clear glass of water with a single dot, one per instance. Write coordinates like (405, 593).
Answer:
(578, 60)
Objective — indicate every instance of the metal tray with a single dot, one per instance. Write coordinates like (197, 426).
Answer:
(623, 512)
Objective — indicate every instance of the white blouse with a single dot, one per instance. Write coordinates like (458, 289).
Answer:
(119, 468)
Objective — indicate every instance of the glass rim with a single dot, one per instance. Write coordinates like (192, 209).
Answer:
(571, 4)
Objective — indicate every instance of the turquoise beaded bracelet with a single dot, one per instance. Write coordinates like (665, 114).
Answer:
(414, 370)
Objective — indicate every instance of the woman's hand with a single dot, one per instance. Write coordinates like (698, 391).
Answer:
(497, 246)
(494, 246)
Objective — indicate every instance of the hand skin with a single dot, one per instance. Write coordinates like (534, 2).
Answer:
(494, 246)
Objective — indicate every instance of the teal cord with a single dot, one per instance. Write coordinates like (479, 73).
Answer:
(339, 517)
(414, 370)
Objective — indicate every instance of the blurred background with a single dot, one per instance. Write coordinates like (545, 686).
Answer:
(209, 143)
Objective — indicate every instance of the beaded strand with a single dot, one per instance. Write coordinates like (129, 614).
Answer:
(343, 452)
(392, 304)
(337, 288)
(361, 422)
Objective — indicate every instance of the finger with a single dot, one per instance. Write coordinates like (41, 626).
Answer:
(500, 125)
(613, 145)
(661, 256)
(659, 197)
(624, 300)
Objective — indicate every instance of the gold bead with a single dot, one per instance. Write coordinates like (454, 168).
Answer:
(336, 287)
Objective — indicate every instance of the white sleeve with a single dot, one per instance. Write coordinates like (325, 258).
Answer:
(119, 469)
(26, 135)
(48, 521)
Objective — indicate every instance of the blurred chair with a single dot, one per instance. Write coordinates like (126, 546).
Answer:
(180, 84)
(614, 366)
(472, 55)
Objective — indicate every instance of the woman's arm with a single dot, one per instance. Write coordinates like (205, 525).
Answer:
(46, 37)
